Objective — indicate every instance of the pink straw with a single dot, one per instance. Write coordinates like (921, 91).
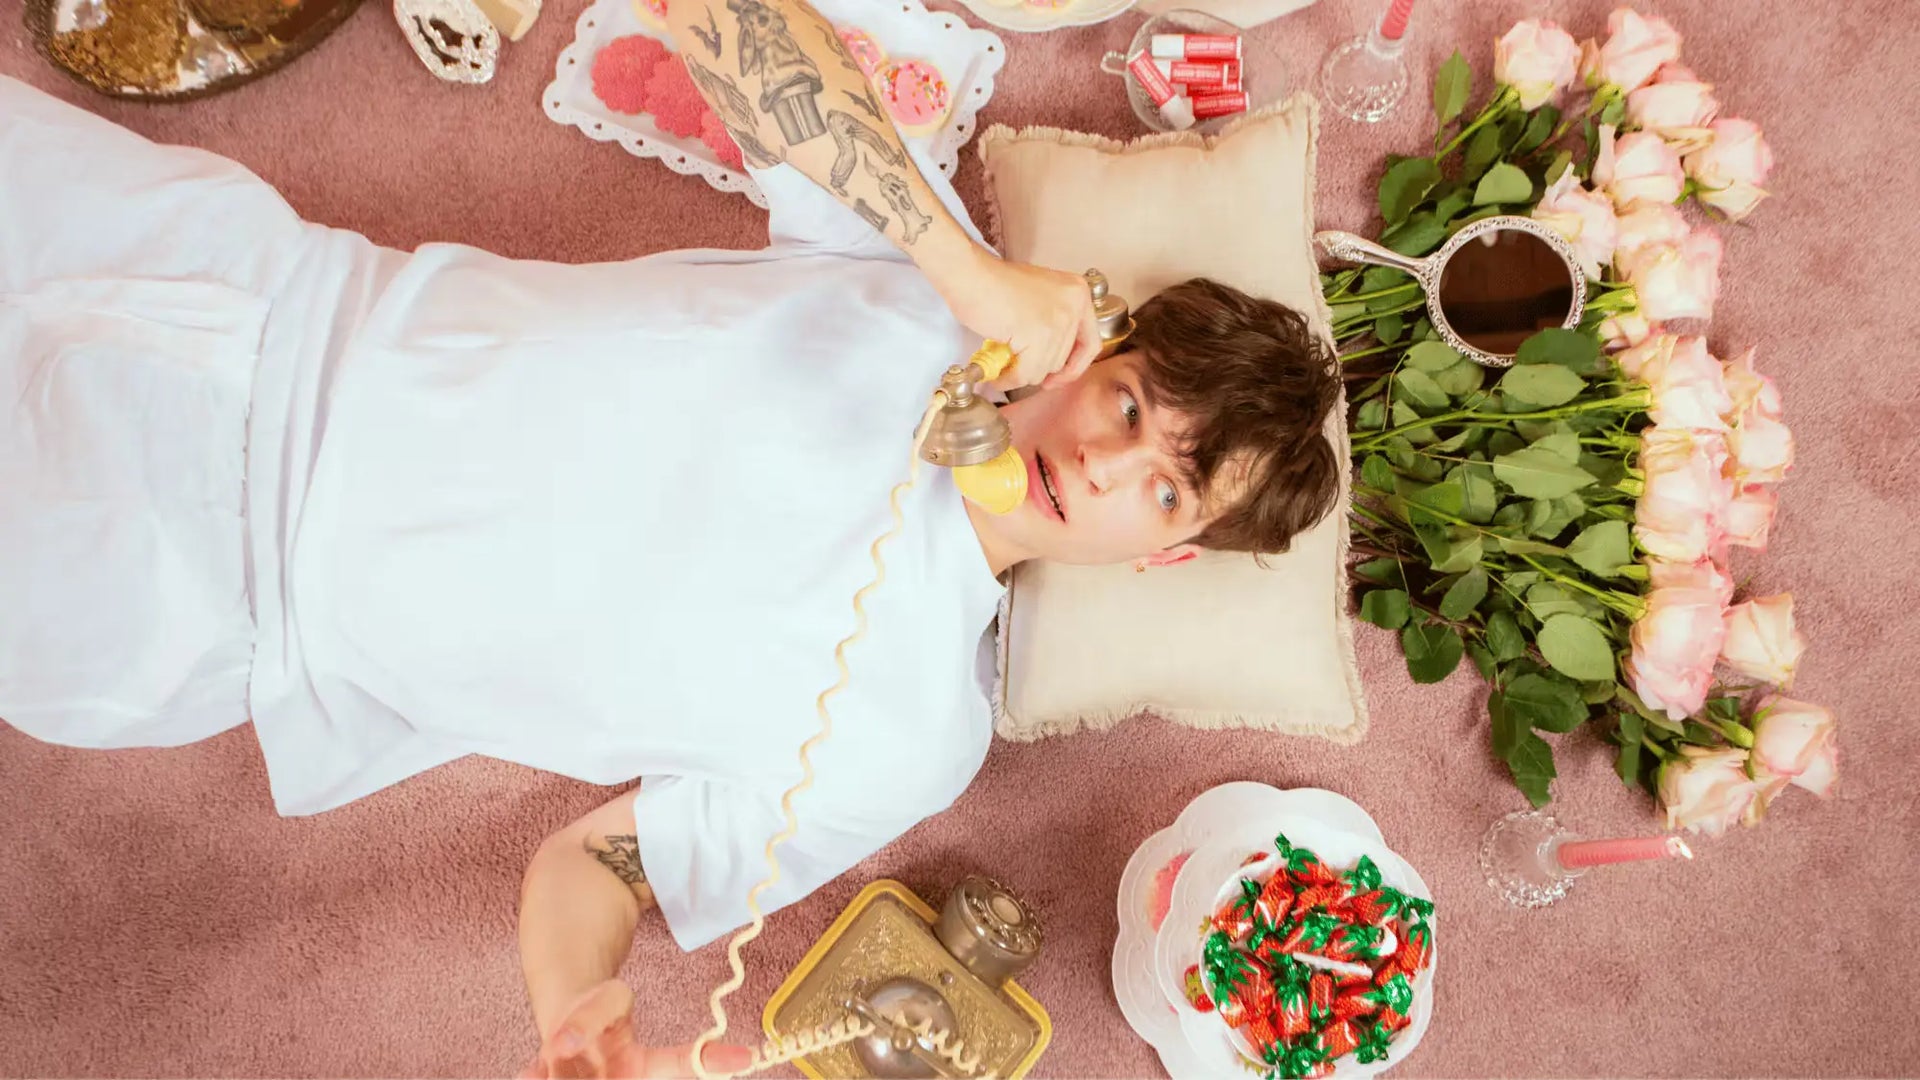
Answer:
(1395, 24)
(1578, 853)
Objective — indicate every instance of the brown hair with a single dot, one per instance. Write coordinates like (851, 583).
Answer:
(1255, 384)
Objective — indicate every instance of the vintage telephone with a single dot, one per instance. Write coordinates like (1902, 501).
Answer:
(908, 1020)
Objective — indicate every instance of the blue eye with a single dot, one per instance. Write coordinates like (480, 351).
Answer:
(1169, 498)
(1130, 409)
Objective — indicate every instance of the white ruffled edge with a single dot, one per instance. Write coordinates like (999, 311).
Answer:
(568, 99)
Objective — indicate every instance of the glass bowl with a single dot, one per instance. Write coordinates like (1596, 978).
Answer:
(1260, 79)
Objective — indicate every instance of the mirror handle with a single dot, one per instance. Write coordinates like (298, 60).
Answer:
(1347, 247)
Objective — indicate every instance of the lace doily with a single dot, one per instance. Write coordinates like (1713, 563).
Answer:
(968, 57)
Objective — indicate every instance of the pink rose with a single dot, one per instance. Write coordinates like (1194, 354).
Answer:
(1537, 59)
(1761, 642)
(1793, 743)
(1626, 329)
(1729, 170)
(1689, 387)
(1676, 281)
(1637, 167)
(1705, 575)
(1706, 790)
(1646, 355)
(1762, 448)
(1637, 45)
(1749, 389)
(1584, 217)
(1676, 642)
(1676, 105)
(1750, 517)
(1683, 500)
(1646, 225)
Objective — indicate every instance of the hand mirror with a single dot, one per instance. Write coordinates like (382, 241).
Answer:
(1496, 283)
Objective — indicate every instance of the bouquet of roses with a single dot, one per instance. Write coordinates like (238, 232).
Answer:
(1567, 523)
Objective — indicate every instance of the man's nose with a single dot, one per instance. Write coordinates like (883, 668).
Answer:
(1109, 463)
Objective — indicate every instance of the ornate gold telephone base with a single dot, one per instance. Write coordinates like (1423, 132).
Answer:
(884, 957)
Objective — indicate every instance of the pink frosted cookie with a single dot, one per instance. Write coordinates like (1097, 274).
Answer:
(1047, 5)
(1161, 899)
(674, 101)
(651, 13)
(720, 140)
(621, 70)
(915, 95)
(866, 51)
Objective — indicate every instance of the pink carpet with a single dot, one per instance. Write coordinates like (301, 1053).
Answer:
(157, 919)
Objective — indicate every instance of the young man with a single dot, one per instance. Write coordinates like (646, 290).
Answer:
(602, 520)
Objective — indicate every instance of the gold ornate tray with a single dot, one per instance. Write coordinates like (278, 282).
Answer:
(178, 50)
(885, 933)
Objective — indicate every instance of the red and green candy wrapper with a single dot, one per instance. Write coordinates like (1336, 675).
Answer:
(1260, 1031)
(1298, 1061)
(1371, 908)
(1196, 993)
(1375, 1043)
(1416, 950)
(1312, 933)
(1320, 998)
(1276, 899)
(1338, 1039)
(1353, 1003)
(1290, 1010)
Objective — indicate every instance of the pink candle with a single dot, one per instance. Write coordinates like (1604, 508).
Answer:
(1575, 854)
(1395, 24)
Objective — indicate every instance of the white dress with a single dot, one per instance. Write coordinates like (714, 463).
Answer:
(601, 520)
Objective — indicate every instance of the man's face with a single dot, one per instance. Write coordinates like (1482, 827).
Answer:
(1104, 483)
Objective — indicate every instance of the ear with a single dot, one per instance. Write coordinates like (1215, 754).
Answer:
(1178, 553)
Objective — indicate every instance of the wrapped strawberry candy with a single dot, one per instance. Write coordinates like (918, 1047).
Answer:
(1276, 900)
(1374, 1045)
(1236, 918)
(1353, 1003)
(1305, 867)
(1241, 988)
(1320, 998)
(1290, 1010)
(1393, 996)
(1300, 1060)
(1416, 911)
(1354, 942)
(1262, 1033)
(1312, 933)
(1414, 953)
(1371, 908)
(1338, 1039)
(1365, 875)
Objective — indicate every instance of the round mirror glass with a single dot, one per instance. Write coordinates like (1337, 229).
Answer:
(1502, 287)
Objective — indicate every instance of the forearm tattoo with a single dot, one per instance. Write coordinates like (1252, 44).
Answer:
(789, 91)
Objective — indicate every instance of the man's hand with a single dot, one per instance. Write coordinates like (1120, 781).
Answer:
(595, 1039)
(1045, 316)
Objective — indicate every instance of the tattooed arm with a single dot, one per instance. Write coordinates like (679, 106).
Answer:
(779, 77)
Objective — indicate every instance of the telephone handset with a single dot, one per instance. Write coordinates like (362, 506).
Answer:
(965, 432)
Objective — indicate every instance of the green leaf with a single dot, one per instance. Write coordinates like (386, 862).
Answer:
(1560, 513)
(1423, 330)
(1461, 379)
(1615, 111)
(1377, 473)
(1465, 552)
(1464, 595)
(1504, 637)
(1570, 349)
(1547, 600)
(1603, 548)
(1562, 161)
(1514, 545)
(1433, 651)
(1503, 183)
(1564, 445)
(1343, 312)
(1632, 728)
(1418, 388)
(1539, 473)
(1576, 647)
(1546, 702)
(1404, 185)
(1504, 442)
(1385, 571)
(1450, 86)
(1507, 729)
(1416, 236)
(1480, 498)
(1532, 766)
(1387, 608)
(1449, 497)
(1598, 693)
(1725, 709)
(1388, 328)
(1609, 471)
(1372, 415)
(1403, 415)
(1545, 385)
(1482, 660)
(1482, 150)
(1454, 201)
(1432, 356)
(1538, 128)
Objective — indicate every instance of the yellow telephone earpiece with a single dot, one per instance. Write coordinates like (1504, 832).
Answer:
(968, 434)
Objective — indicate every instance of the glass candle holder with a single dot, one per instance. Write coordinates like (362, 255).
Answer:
(1531, 860)
(1364, 77)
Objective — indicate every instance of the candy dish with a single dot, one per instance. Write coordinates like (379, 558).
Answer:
(1191, 1044)
(967, 58)
(1039, 16)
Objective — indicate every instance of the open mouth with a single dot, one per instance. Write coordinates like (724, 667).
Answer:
(1046, 483)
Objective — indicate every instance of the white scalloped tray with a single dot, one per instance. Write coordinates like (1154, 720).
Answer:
(970, 58)
(1031, 19)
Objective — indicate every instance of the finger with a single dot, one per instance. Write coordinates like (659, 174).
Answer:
(677, 1061)
(605, 1006)
(535, 1071)
(1086, 346)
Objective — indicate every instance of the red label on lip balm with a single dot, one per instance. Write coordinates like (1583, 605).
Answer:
(1198, 73)
(1154, 83)
(1222, 103)
(1196, 46)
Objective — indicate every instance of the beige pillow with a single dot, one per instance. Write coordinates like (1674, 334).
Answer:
(1218, 641)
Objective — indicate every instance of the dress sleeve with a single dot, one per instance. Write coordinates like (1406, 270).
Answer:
(805, 215)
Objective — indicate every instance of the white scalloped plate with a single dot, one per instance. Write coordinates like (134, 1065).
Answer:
(1148, 1005)
(1030, 19)
(968, 57)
